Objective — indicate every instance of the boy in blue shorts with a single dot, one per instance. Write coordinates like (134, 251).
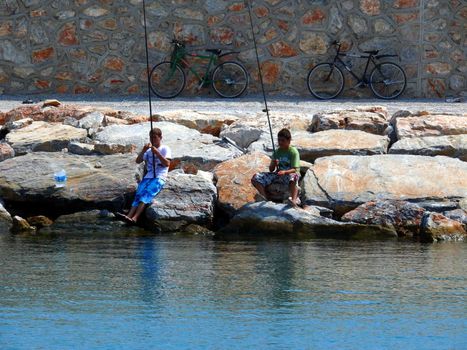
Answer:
(152, 183)
(284, 167)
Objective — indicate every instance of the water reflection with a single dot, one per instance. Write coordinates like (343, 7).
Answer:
(128, 292)
(151, 286)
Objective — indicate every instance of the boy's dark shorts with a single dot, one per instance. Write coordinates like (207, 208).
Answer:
(267, 178)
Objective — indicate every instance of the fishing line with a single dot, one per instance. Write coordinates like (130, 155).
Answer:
(149, 84)
(247, 3)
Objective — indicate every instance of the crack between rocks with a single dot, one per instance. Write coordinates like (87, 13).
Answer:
(330, 200)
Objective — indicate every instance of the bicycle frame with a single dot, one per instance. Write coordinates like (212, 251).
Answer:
(179, 57)
(370, 58)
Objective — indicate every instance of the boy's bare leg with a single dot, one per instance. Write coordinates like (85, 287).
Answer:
(293, 191)
(260, 189)
(131, 212)
(138, 210)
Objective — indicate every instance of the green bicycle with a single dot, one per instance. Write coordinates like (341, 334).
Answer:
(228, 79)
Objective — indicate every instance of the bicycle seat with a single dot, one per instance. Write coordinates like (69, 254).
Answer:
(214, 51)
(372, 52)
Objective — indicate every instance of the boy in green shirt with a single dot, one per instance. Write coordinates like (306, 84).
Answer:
(285, 166)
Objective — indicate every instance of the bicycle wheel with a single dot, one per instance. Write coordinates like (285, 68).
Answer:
(167, 80)
(229, 79)
(387, 80)
(325, 81)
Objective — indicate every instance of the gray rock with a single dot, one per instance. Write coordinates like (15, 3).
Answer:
(10, 52)
(457, 215)
(338, 142)
(17, 124)
(85, 222)
(93, 181)
(42, 136)
(242, 135)
(371, 119)
(205, 122)
(6, 220)
(424, 124)
(451, 146)
(189, 147)
(71, 122)
(107, 149)
(186, 199)
(92, 120)
(463, 204)
(345, 182)
(281, 219)
(83, 149)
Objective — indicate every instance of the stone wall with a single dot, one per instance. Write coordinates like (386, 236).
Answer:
(97, 46)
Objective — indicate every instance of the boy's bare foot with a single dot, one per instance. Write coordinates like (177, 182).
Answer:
(296, 203)
(121, 216)
(125, 218)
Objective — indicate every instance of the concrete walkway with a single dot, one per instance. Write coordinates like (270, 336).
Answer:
(248, 104)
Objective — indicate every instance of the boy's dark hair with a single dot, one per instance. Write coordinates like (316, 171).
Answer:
(284, 133)
(155, 132)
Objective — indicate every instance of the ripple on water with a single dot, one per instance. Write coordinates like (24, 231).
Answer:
(129, 292)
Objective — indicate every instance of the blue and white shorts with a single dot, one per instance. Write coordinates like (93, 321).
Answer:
(147, 190)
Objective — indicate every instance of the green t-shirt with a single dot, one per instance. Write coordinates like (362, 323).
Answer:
(288, 158)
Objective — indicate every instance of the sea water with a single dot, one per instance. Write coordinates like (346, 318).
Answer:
(101, 291)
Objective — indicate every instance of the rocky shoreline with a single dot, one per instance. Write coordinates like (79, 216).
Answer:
(365, 173)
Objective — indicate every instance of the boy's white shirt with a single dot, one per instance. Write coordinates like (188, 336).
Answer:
(161, 170)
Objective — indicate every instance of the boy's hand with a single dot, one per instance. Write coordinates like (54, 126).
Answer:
(281, 172)
(146, 147)
(276, 164)
(155, 150)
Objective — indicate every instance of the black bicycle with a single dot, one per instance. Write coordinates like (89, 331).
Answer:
(387, 80)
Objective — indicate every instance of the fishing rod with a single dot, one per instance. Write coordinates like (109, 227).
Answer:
(247, 3)
(149, 83)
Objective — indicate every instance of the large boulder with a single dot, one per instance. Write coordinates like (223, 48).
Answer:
(437, 227)
(93, 181)
(189, 147)
(186, 199)
(38, 112)
(45, 137)
(345, 182)
(451, 146)
(372, 119)
(60, 113)
(233, 180)
(425, 124)
(338, 142)
(402, 217)
(204, 122)
(249, 130)
(282, 219)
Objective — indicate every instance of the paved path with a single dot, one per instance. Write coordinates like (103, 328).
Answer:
(246, 104)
